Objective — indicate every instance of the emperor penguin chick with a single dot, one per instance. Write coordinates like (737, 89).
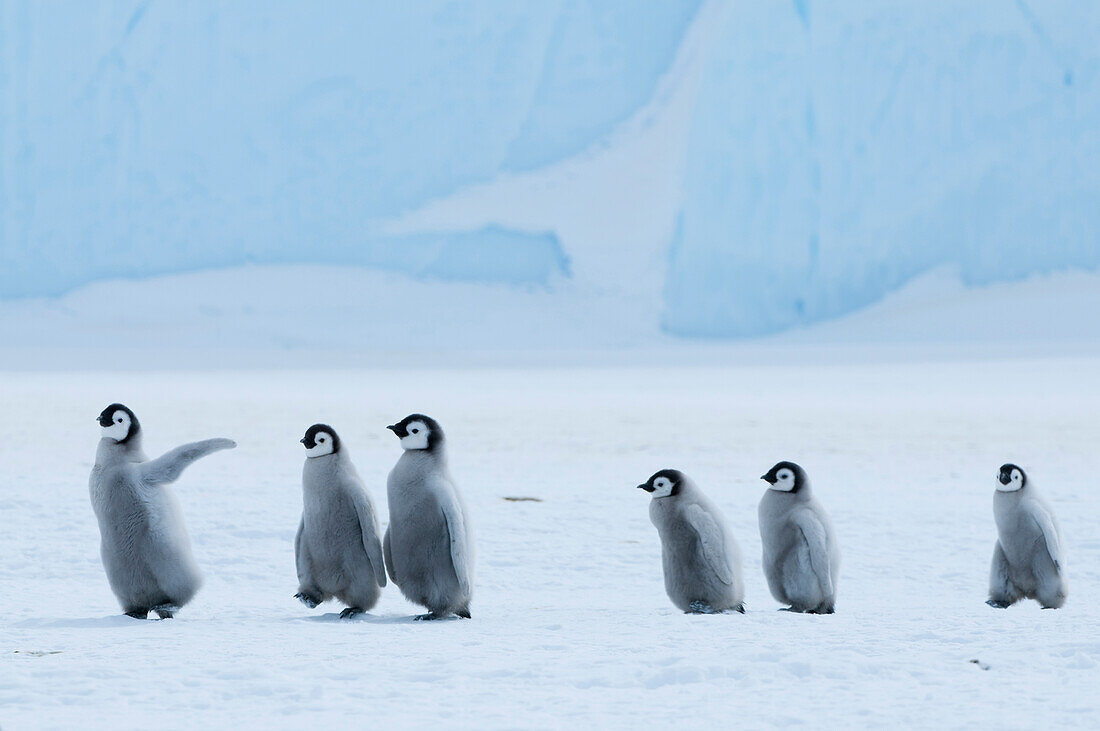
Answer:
(801, 558)
(1029, 559)
(428, 546)
(337, 550)
(702, 564)
(143, 541)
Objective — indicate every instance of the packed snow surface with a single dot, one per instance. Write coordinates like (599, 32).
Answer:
(324, 316)
(570, 624)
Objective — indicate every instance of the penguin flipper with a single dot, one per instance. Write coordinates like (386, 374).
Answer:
(368, 527)
(1002, 592)
(711, 542)
(813, 532)
(389, 557)
(1050, 534)
(456, 530)
(301, 559)
(170, 465)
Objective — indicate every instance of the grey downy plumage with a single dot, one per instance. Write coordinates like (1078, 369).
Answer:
(801, 558)
(1029, 558)
(428, 546)
(336, 550)
(701, 561)
(144, 543)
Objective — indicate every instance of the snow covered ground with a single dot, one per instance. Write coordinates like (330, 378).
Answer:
(324, 317)
(571, 624)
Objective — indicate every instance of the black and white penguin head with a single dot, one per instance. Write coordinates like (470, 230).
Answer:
(664, 483)
(1011, 478)
(417, 431)
(785, 477)
(320, 439)
(119, 423)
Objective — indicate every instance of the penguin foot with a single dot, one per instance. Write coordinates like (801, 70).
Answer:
(308, 599)
(138, 613)
(790, 609)
(429, 617)
(464, 613)
(822, 610)
(700, 607)
(166, 611)
(351, 612)
(740, 608)
(998, 604)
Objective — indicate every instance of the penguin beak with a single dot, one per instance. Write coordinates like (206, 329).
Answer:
(647, 488)
(393, 428)
(302, 440)
(766, 479)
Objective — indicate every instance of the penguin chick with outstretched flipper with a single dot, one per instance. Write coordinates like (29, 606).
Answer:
(1029, 557)
(143, 540)
(801, 558)
(336, 550)
(702, 564)
(428, 547)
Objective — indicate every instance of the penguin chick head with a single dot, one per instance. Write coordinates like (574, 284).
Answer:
(664, 483)
(1011, 478)
(320, 439)
(417, 431)
(118, 422)
(785, 477)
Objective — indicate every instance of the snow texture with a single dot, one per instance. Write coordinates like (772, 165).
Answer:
(571, 625)
(318, 316)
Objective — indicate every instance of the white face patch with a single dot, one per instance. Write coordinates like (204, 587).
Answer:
(417, 437)
(1015, 482)
(120, 426)
(784, 481)
(322, 445)
(662, 487)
